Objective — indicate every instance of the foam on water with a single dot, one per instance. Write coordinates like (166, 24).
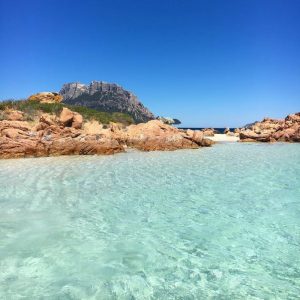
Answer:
(213, 223)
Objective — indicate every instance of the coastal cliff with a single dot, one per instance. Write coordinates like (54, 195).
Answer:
(108, 97)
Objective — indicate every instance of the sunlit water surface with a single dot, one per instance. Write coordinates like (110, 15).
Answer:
(213, 223)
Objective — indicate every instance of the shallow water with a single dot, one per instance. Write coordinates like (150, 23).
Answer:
(213, 223)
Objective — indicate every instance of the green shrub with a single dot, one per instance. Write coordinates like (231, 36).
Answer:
(31, 109)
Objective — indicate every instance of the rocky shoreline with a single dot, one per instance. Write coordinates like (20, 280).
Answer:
(66, 135)
(273, 130)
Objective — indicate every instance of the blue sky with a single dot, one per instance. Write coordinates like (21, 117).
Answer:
(207, 62)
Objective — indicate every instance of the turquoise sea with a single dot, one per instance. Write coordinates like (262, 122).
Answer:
(212, 223)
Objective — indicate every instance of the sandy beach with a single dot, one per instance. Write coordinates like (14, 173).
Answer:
(223, 138)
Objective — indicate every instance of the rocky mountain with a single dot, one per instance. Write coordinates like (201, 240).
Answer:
(104, 96)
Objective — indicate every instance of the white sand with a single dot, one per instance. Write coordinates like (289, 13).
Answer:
(223, 138)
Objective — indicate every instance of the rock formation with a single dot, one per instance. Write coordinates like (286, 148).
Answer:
(155, 135)
(47, 138)
(63, 135)
(226, 130)
(46, 97)
(12, 115)
(169, 121)
(208, 131)
(69, 118)
(272, 130)
(107, 97)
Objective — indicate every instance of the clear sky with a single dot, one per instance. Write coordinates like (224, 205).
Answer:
(207, 62)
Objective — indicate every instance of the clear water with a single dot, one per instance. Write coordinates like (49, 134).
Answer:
(213, 223)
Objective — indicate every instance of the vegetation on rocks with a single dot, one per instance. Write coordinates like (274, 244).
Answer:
(32, 109)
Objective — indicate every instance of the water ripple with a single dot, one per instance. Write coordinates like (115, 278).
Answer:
(214, 223)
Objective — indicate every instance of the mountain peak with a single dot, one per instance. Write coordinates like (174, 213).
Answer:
(104, 96)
